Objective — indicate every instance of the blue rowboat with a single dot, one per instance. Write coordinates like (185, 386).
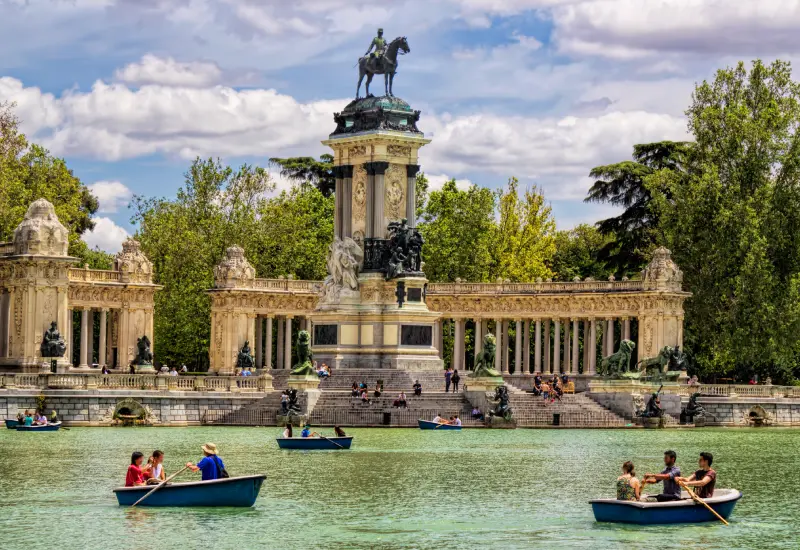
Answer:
(315, 443)
(659, 513)
(428, 425)
(41, 428)
(12, 423)
(233, 491)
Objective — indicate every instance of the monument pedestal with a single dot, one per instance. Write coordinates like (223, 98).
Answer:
(303, 382)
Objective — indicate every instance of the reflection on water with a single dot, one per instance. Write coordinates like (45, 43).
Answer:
(395, 489)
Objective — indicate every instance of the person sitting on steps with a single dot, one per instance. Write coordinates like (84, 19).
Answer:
(417, 388)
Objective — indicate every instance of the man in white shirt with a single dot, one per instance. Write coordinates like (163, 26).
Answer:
(173, 372)
(457, 421)
(438, 419)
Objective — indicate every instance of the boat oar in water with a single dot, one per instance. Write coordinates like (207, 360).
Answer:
(159, 486)
(330, 440)
(701, 501)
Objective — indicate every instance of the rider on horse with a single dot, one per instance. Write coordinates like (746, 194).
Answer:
(379, 43)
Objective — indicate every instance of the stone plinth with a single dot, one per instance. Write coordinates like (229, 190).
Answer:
(500, 423)
(483, 383)
(303, 382)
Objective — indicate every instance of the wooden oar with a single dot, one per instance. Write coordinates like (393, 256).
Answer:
(332, 441)
(159, 486)
(701, 501)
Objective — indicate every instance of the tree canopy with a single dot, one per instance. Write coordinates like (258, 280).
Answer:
(308, 171)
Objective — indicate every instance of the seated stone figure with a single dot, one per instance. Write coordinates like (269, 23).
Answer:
(53, 344)
(245, 358)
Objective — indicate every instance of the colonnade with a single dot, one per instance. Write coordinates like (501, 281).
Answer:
(105, 345)
(559, 344)
(274, 334)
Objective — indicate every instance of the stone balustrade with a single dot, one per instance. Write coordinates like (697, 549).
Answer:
(143, 382)
(534, 288)
(83, 275)
(735, 390)
(286, 285)
(6, 249)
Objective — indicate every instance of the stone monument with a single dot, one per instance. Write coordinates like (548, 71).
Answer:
(372, 313)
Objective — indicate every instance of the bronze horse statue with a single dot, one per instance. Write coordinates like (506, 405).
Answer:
(385, 65)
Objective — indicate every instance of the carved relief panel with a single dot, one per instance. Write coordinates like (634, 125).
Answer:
(359, 207)
(394, 206)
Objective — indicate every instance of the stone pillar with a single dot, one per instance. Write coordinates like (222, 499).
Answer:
(626, 328)
(610, 341)
(537, 347)
(498, 350)
(90, 345)
(586, 346)
(556, 344)
(268, 345)
(110, 344)
(439, 337)
(575, 346)
(287, 350)
(280, 345)
(592, 346)
(101, 348)
(567, 347)
(518, 347)
(546, 347)
(375, 176)
(526, 346)
(338, 214)
(68, 337)
(456, 335)
(84, 337)
(411, 194)
(506, 347)
(347, 200)
(4, 323)
(478, 337)
(259, 342)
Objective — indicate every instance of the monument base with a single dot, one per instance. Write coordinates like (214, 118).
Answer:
(303, 382)
(296, 420)
(483, 383)
(497, 422)
(145, 369)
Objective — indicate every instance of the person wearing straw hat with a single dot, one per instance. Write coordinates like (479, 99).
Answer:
(211, 465)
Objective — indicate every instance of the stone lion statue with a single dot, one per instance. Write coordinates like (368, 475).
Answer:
(484, 365)
(344, 261)
(144, 355)
(304, 365)
(669, 359)
(618, 362)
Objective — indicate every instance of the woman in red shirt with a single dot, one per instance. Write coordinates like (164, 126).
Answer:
(136, 473)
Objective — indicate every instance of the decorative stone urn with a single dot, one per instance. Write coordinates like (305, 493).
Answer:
(132, 264)
(662, 273)
(234, 271)
(40, 233)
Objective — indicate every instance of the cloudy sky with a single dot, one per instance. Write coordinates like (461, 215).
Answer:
(129, 91)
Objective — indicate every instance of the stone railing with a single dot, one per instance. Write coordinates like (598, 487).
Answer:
(6, 249)
(82, 275)
(736, 390)
(146, 382)
(534, 288)
(286, 285)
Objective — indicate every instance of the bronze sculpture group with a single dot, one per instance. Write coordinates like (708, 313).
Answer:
(405, 250)
(382, 61)
(53, 344)
(143, 356)
(244, 360)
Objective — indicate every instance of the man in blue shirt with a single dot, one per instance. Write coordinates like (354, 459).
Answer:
(306, 431)
(672, 491)
(211, 465)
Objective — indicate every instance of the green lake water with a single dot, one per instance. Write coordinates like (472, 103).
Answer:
(397, 488)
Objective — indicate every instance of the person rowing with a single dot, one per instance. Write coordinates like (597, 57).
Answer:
(672, 491)
(439, 420)
(703, 479)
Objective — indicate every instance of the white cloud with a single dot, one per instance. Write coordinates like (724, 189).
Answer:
(106, 235)
(437, 181)
(152, 69)
(636, 28)
(112, 195)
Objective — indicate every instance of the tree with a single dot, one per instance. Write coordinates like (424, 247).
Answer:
(29, 172)
(577, 253)
(635, 232)
(524, 237)
(308, 171)
(458, 227)
(734, 222)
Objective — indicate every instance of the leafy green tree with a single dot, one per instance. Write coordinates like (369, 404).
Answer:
(309, 171)
(734, 222)
(420, 194)
(525, 235)
(29, 172)
(458, 227)
(577, 253)
(635, 231)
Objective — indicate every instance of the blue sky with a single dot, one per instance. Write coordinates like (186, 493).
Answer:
(129, 91)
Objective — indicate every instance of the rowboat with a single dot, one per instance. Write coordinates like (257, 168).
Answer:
(428, 425)
(54, 427)
(238, 491)
(315, 443)
(677, 511)
(12, 423)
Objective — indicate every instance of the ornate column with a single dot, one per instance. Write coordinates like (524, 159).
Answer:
(567, 347)
(411, 194)
(456, 336)
(90, 348)
(101, 348)
(375, 174)
(478, 337)
(575, 346)
(610, 341)
(110, 343)
(287, 351)
(592, 346)
(347, 200)
(338, 203)
(586, 346)
(506, 347)
(4, 323)
(259, 342)
(439, 341)
(84, 337)
(626, 328)
(498, 350)
(546, 347)
(537, 347)
(556, 344)
(526, 346)
(279, 347)
(518, 347)
(268, 346)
